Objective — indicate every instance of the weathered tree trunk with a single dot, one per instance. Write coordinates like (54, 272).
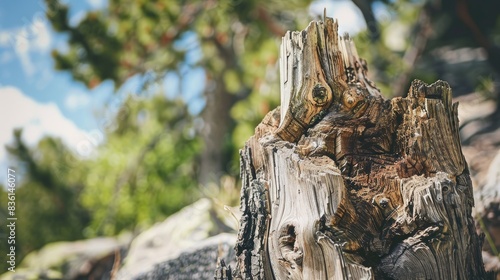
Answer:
(340, 183)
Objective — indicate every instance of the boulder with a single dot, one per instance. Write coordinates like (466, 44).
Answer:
(85, 259)
(183, 245)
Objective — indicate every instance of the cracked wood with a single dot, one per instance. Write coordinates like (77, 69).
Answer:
(341, 183)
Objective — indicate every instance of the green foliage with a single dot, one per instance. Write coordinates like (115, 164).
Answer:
(486, 87)
(385, 55)
(142, 172)
(233, 41)
(4, 233)
(145, 169)
(134, 37)
(47, 192)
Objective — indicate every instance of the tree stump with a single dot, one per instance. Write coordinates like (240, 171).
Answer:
(340, 183)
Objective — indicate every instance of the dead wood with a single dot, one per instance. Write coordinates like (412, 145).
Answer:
(340, 183)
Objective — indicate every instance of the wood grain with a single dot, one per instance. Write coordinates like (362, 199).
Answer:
(340, 183)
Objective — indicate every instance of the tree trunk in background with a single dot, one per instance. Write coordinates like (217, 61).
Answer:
(340, 183)
(215, 132)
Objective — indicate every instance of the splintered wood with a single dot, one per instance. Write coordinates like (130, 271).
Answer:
(340, 183)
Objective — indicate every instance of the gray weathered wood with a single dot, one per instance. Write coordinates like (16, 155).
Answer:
(340, 183)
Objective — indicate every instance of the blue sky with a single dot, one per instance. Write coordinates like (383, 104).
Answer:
(34, 96)
(26, 41)
(43, 101)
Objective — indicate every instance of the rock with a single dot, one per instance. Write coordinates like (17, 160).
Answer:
(186, 245)
(182, 243)
(198, 263)
(92, 258)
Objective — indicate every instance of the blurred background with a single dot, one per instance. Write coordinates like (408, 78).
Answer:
(116, 114)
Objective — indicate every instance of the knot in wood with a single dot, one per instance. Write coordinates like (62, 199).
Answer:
(319, 95)
(353, 97)
(384, 202)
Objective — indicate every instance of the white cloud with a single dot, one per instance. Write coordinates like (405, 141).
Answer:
(21, 47)
(35, 36)
(97, 4)
(5, 38)
(348, 15)
(37, 120)
(41, 35)
(76, 99)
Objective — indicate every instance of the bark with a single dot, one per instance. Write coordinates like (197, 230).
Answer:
(340, 183)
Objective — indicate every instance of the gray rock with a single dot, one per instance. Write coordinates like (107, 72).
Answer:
(84, 259)
(183, 245)
(197, 264)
